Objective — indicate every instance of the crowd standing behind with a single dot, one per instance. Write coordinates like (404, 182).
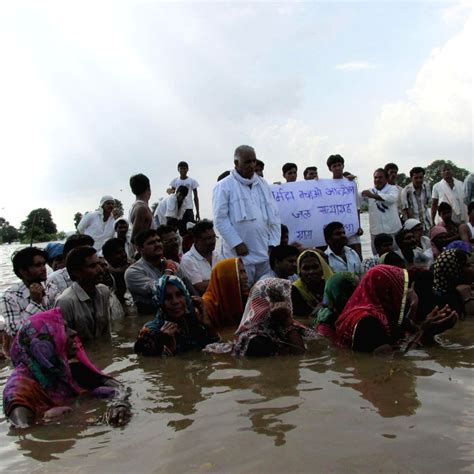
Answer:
(276, 294)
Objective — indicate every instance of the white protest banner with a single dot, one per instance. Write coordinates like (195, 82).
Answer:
(306, 207)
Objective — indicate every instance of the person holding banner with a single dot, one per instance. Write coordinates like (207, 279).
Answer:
(341, 258)
(245, 215)
(383, 207)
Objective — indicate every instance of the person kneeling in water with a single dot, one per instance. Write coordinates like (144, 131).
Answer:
(52, 368)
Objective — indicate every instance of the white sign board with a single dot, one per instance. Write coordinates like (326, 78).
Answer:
(306, 207)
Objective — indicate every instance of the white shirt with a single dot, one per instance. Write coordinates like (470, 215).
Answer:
(337, 264)
(383, 215)
(93, 224)
(454, 197)
(196, 267)
(235, 228)
(191, 184)
(168, 207)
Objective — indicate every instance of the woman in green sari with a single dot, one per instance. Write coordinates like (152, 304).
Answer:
(307, 291)
(339, 288)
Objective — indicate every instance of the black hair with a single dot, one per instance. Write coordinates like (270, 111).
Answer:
(381, 239)
(260, 163)
(330, 228)
(184, 190)
(164, 229)
(284, 229)
(400, 235)
(111, 246)
(223, 175)
(308, 169)
(23, 259)
(392, 258)
(76, 259)
(183, 164)
(288, 166)
(390, 166)
(201, 227)
(444, 206)
(243, 150)
(470, 207)
(77, 240)
(139, 183)
(333, 159)
(280, 252)
(118, 222)
(381, 170)
(416, 170)
(143, 236)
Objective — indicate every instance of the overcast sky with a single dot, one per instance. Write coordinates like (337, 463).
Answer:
(93, 92)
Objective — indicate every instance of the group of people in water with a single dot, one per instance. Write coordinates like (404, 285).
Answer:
(276, 296)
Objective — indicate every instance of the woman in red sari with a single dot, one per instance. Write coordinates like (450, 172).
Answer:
(382, 310)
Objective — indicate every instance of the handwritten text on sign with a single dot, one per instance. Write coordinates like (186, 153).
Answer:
(306, 207)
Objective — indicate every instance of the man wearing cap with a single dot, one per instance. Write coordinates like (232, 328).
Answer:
(99, 224)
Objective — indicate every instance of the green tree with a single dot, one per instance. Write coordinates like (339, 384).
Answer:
(8, 233)
(38, 226)
(433, 171)
(402, 179)
(77, 219)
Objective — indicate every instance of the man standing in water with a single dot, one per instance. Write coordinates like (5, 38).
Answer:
(141, 217)
(383, 207)
(245, 215)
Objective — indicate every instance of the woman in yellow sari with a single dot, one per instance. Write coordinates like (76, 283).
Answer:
(227, 293)
(307, 292)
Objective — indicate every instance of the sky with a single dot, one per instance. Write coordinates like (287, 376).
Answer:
(94, 92)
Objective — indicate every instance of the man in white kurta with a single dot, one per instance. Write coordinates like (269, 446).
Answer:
(383, 207)
(245, 215)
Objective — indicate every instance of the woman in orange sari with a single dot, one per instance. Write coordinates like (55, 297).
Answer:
(227, 293)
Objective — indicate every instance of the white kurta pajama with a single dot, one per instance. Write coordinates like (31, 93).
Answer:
(244, 212)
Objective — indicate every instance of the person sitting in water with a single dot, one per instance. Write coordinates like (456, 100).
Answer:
(51, 369)
(283, 262)
(382, 309)
(99, 224)
(197, 264)
(383, 243)
(180, 325)
(439, 239)
(448, 273)
(142, 275)
(29, 296)
(55, 257)
(423, 243)
(85, 305)
(307, 290)
(226, 293)
(60, 278)
(408, 250)
(341, 258)
(337, 291)
(121, 233)
(445, 212)
(170, 240)
(117, 264)
(267, 327)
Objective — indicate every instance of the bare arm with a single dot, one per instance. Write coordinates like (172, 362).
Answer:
(465, 233)
(434, 209)
(196, 203)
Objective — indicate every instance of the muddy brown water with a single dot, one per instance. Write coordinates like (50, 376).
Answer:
(329, 410)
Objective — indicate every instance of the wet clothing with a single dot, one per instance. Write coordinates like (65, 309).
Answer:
(381, 295)
(192, 334)
(257, 333)
(42, 377)
(304, 300)
(223, 298)
(88, 316)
